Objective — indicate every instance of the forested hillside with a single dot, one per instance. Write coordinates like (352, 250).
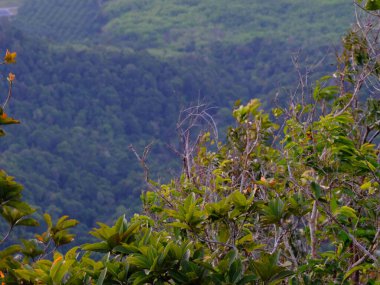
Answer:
(94, 77)
(169, 27)
(194, 25)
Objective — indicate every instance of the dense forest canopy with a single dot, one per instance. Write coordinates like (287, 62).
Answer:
(184, 25)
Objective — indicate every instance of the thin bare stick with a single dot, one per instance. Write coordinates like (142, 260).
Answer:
(9, 95)
(6, 236)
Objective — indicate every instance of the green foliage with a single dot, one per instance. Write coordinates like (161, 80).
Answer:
(84, 102)
(187, 26)
(14, 211)
(27, 261)
(291, 199)
(371, 5)
(268, 270)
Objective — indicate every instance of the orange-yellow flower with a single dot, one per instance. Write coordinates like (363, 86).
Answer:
(248, 190)
(272, 182)
(57, 259)
(39, 238)
(2, 276)
(10, 57)
(11, 77)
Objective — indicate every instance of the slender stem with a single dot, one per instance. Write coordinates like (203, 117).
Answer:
(362, 248)
(51, 251)
(313, 229)
(277, 238)
(289, 248)
(208, 241)
(6, 235)
(9, 95)
(365, 256)
(374, 136)
(46, 247)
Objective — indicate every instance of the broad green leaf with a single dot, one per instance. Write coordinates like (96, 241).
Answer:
(63, 237)
(98, 247)
(279, 277)
(179, 277)
(346, 211)
(231, 256)
(72, 253)
(326, 93)
(29, 222)
(239, 199)
(268, 270)
(130, 230)
(236, 271)
(372, 5)
(248, 279)
(48, 221)
(102, 276)
(126, 249)
(179, 225)
(352, 270)
(139, 260)
(10, 250)
(5, 120)
(223, 233)
(273, 212)
(366, 185)
(317, 190)
(59, 268)
(67, 224)
(61, 220)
